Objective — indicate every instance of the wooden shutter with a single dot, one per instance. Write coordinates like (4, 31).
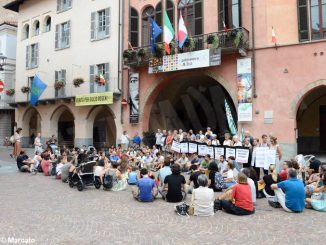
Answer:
(36, 55)
(57, 36)
(93, 25)
(27, 56)
(56, 78)
(107, 21)
(68, 33)
(63, 75)
(106, 76)
(92, 78)
(69, 3)
(59, 5)
(303, 20)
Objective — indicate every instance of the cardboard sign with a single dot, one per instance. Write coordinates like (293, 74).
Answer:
(242, 155)
(218, 151)
(175, 146)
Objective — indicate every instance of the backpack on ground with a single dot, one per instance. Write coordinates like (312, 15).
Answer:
(182, 209)
(219, 181)
(108, 181)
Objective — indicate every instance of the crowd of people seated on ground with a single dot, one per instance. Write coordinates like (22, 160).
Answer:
(213, 184)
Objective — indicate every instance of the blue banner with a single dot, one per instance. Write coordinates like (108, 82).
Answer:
(37, 89)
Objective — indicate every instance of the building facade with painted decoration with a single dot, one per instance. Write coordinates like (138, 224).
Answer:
(73, 47)
(8, 34)
(271, 86)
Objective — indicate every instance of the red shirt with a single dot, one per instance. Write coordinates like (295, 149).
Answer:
(45, 167)
(284, 175)
(242, 195)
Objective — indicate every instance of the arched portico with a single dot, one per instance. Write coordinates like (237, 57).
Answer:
(31, 123)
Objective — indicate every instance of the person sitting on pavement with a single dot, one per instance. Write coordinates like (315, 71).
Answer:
(268, 180)
(215, 177)
(184, 162)
(318, 198)
(174, 186)
(36, 162)
(285, 168)
(114, 157)
(251, 183)
(60, 164)
(203, 198)
(229, 177)
(24, 164)
(46, 163)
(241, 203)
(147, 160)
(222, 164)
(132, 176)
(194, 178)
(293, 200)
(146, 190)
(205, 163)
(163, 172)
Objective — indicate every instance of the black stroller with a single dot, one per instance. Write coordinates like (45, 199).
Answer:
(84, 176)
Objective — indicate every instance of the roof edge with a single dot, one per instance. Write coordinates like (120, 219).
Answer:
(14, 5)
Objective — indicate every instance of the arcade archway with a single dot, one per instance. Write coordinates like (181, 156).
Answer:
(194, 102)
(32, 124)
(66, 129)
(311, 122)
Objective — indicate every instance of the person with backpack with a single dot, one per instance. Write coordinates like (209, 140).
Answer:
(113, 180)
(146, 190)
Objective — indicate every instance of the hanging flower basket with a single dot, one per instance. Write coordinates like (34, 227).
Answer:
(25, 89)
(10, 92)
(190, 43)
(59, 85)
(78, 81)
(159, 50)
(213, 41)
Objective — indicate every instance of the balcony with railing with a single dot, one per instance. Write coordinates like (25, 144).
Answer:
(231, 41)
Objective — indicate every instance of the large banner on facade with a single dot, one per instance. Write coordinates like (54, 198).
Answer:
(94, 99)
(244, 82)
(134, 97)
(185, 61)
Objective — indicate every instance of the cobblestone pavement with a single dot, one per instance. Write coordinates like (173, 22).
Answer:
(50, 212)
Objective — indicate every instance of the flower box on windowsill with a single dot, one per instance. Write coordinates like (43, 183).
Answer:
(59, 85)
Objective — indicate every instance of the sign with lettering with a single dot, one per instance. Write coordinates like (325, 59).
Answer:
(185, 61)
(94, 99)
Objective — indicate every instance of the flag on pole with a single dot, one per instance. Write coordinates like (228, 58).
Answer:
(37, 89)
(225, 28)
(102, 80)
(155, 31)
(273, 36)
(242, 136)
(182, 32)
(168, 33)
(232, 126)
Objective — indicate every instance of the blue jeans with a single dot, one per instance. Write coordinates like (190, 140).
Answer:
(229, 184)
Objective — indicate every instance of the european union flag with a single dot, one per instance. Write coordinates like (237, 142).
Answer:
(37, 89)
(155, 32)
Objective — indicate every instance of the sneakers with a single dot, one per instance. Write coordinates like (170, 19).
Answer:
(274, 204)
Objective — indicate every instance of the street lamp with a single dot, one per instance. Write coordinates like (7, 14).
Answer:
(2, 62)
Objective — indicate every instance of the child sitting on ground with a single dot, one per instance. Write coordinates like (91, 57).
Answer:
(132, 176)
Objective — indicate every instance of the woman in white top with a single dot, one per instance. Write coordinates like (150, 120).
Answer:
(17, 145)
(274, 146)
(236, 141)
(203, 198)
(215, 141)
(227, 140)
(37, 143)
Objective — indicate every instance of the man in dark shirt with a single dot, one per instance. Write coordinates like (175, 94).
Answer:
(174, 186)
(194, 176)
(23, 163)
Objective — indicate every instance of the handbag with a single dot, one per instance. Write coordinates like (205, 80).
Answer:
(182, 209)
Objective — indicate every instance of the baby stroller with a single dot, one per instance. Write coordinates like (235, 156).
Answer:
(97, 179)
(83, 176)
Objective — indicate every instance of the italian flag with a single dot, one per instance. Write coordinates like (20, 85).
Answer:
(274, 40)
(168, 33)
(101, 79)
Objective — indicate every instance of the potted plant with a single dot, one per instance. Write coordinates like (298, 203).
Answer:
(238, 38)
(59, 85)
(141, 53)
(127, 54)
(159, 50)
(10, 92)
(173, 46)
(190, 44)
(213, 40)
(78, 81)
(149, 138)
(25, 89)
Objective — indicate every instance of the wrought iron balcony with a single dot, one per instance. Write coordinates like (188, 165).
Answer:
(231, 41)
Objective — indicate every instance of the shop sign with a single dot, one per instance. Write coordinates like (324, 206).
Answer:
(105, 98)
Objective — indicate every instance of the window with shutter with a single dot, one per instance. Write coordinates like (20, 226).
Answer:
(36, 55)
(133, 28)
(93, 25)
(68, 33)
(27, 56)
(100, 71)
(107, 22)
(57, 29)
(63, 5)
(91, 78)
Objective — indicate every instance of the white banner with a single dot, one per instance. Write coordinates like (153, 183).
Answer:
(175, 146)
(229, 152)
(270, 158)
(202, 150)
(219, 151)
(210, 151)
(134, 97)
(242, 155)
(184, 147)
(192, 147)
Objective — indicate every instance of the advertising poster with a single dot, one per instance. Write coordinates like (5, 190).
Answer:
(134, 97)
(244, 84)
